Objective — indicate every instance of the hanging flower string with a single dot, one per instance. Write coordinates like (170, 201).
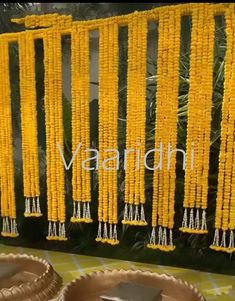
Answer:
(136, 119)
(29, 125)
(108, 133)
(80, 124)
(199, 120)
(198, 124)
(166, 130)
(7, 186)
(54, 135)
(225, 203)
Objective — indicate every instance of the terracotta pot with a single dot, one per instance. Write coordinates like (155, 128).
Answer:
(90, 287)
(35, 281)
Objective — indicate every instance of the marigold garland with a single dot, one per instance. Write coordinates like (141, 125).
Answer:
(136, 118)
(108, 133)
(8, 204)
(225, 203)
(198, 129)
(34, 21)
(166, 130)
(80, 124)
(199, 121)
(29, 125)
(54, 135)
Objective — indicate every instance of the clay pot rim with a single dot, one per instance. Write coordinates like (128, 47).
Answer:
(135, 271)
(26, 285)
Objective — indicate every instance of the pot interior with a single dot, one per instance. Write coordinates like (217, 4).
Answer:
(21, 270)
(92, 287)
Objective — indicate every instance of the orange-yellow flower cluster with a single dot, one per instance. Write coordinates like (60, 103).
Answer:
(54, 135)
(80, 124)
(7, 186)
(198, 124)
(166, 129)
(225, 206)
(34, 21)
(136, 119)
(199, 120)
(108, 133)
(29, 124)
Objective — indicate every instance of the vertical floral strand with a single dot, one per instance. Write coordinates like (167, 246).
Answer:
(80, 124)
(136, 118)
(166, 130)
(8, 204)
(29, 125)
(199, 121)
(54, 135)
(108, 127)
(225, 208)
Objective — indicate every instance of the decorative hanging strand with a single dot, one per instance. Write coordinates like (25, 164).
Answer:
(166, 130)
(80, 125)
(8, 205)
(225, 203)
(199, 121)
(29, 125)
(136, 119)
(54, 135)
(108, 134)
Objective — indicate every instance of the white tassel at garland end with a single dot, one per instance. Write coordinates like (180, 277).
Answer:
(194, 221)
(9, 227)
(224, 241)
(56, 231)
(32, 207)
(81, 212)
(134, 215)
(161, 239)
(109, 234)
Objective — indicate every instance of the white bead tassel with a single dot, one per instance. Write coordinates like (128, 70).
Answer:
(137, 216)
(27, 206)
(223, 241)
(38, 206)
(14, 230)
(125, 217)
(216, 238)
(105, 236)
(50, 229)
(115, 233)
(153, 237)
(88, 211)
(185, 219)
(110, 231)
(54, 230)
(160, 235)
(197, 220)
(171, 238)
(191, 219)
(32, 207)
(204, 224)
(84, 212)
(164, 237)
(5, 225)
(130, 217)
(231, 240)
(9, 227)
(142, 214)
(99, 234)
(62, 232)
